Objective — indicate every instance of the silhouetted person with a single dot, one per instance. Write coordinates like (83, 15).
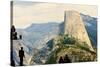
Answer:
(21, 56)
(20, 36)
(12, 32)
(13, 28)
(11, 57)
(61, 60)
(66, 59)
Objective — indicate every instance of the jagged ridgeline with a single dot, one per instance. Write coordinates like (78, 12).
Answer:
(74, 43)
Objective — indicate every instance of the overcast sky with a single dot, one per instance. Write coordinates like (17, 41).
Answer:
(26, 13)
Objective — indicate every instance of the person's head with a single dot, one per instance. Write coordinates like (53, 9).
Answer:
(61, 57)
(66, 56)
(13, 26)
(21, 48)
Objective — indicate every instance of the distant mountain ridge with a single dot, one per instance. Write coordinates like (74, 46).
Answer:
(53, 28)
(91, 26)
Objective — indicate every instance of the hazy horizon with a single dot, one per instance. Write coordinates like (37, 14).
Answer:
(26, 13)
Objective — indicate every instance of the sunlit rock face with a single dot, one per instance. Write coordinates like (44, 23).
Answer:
(75, 27)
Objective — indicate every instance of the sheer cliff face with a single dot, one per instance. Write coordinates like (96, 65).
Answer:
(74, 26)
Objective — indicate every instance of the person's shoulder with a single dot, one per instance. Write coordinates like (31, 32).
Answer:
(19, 50)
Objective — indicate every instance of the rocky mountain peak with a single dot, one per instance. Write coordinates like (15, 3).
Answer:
(75, 27)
